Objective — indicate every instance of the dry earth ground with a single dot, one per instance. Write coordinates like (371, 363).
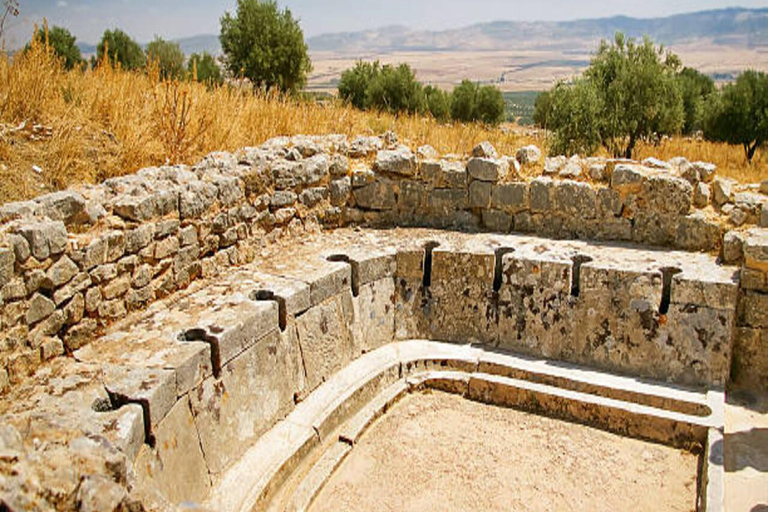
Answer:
(440, 452)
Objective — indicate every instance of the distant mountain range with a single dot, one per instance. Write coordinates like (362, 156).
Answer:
(734, 27)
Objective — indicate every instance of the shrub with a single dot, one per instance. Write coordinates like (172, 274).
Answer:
(438, 103)
(168, 57)
(121, 49)
(204, 68)
(395, 90)
(265, 45)
(470, 102)
(739, 114)
(355, 82)
(62, 42)
(574, 112)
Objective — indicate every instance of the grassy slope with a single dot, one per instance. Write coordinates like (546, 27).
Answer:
(61, 128)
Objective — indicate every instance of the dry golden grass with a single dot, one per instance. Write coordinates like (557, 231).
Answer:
(84, 127)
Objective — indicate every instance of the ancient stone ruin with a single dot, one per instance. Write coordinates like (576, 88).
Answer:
(219, 337)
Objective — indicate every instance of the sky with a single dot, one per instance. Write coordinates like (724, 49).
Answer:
(171, 19)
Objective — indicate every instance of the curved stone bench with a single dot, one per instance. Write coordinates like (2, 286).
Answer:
(220, 392)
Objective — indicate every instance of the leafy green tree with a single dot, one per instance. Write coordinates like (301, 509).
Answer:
(695, 88)
(355, 82)
(395, 90)
(739, 114)
(574, 112)
(168, 57)
(490, 105)
(62, 42)
(438, 103)
(638, 91)
(542, 109)
(121, 49)
(204, 68)
(470, 102)
(265, 45)
(463, 101)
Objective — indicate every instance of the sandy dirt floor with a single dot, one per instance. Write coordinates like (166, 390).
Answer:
(440, 452)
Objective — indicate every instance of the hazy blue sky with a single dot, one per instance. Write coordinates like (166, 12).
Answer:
(87, 19)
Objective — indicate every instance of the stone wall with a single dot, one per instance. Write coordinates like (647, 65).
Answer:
(73, 262)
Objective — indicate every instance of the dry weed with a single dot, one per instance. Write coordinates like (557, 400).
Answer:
(108, 122)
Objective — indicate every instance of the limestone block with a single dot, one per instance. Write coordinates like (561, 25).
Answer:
(528, 155)
(138, 238)
(340, 191)
(399, 161)
(154, 389)
(65, 205)
(376, 196)
(479, 194)
(294, 294)
(95, 253)
(282, 198)
(627, 178)
(444, 200)
(339, 166)
(733, 251)
(497, 221)
(756, 249)
(373, 325)
(701, 195)
(722, 191)
(255, 390)
(175, 467)
(485, 150)
(20, 248)
(716, 290)
(651, 228)
(575, 199)
(7, 260)
(701, 339)
(753, 309)
(412, 195)
(696, 232)
(313, 196)
(44, 238)
(487, 169)
(534, 304)
(609, 203)
(362, 176)
(668, 194)
(750, 358)
(462, 291)
(325, 340)
(541, 191)
(40, 308)
(511, 197)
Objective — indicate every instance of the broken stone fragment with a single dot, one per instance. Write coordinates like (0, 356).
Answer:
(45, 238)
(397, 161)
(487, 169)
(485, 150)
(528, 155)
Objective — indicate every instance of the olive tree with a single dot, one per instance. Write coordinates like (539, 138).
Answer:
(203, 68)
(739, 114)
(265, 45)
(695, 88)
(120, 49)
(168, 57)
(62, 43)
(634, 85)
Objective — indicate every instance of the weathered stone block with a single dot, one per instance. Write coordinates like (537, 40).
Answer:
(62, 271)
(311, 197)
(575, 199)
(64, 205)
(753, 309)
(376, 196)
(487, 169)
(45, 238)
(722, 191)
(255, 390)
(479, 194)
(325, 340)
(485, 150)
(40, 308)
(668, 194)
(373, 323)
(749, 367)
(541, 195)
(497, 221)
(340, 191)
(398, 161)
(412, 195)
(282, 198)
(528, 155)
(446, 200)
(696, 232)
(511, 197)
(175, 468)
(7, 260)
